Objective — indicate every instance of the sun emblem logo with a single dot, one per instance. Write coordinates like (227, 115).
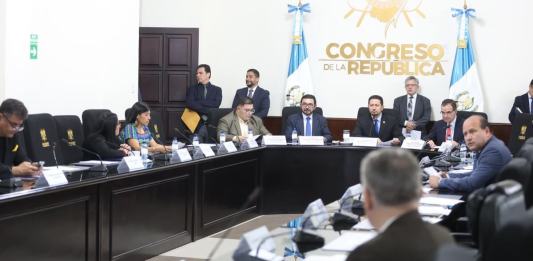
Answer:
(385, 11)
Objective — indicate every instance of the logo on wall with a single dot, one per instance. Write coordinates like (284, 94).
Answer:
(385, 11)
(44, 140)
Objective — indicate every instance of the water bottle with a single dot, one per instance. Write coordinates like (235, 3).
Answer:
(222, 137)
(250, 134)
(175, 145)
(195, 140)
(144, 152)
(294, 136)
(346, 135)
(462, 153)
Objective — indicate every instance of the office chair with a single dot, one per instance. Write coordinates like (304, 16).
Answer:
(69, 127)
(90, 119)
(213, 116)
(489, 209)
(521, 130)
(40, 136)
(456, 253)
(288, 111)
(156, 127)
(514, 241)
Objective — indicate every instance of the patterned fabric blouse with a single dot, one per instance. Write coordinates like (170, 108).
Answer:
(130, 132)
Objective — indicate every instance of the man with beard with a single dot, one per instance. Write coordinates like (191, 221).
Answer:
(259, 96)
(377, 124)
(308, 123)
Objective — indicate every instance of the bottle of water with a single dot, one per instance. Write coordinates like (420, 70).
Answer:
(250, 134)
(462, 153)
(222, 137)
(175, 145)
(144, 152)
(195, 140)
(294, 136)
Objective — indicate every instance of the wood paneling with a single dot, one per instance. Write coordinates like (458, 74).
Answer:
(150, 51)
(150, 86)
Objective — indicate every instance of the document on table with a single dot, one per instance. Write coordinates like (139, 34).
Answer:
(326, 258)
(96, 162)
(363, 225)
(350, 240)
(439, 201)
(66, 168)
(436, 211)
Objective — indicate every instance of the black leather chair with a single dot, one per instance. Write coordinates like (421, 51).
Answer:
(364, 112)
(529, 141)
(514, 241)
(522, 130)
(40, 136)
(213, 116)
(526, 152)
(455, 252)
(91, 119)
(288, 111)
(491, 208)
(69, 128)
(466, 114)
(156, 128)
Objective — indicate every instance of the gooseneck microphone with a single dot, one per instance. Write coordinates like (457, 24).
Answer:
(183, 135)
(97, 168)
(54, 154)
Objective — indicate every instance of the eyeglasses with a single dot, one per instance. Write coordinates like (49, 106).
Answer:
(16, 127)
(308, 105)
(249, 110)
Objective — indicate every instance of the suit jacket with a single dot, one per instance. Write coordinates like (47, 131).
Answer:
(487, 164)
(438, 132)
(407, 238)
(195, 98)
(12, 154)
(230, 125)
(98, 144)
(389, 128)
(422, 112)
(521, 102)
(261, 100)
(319, 128)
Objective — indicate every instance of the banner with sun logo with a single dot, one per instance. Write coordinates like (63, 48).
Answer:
(464, 85)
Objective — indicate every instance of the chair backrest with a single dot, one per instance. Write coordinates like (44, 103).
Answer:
(526, 152)
(69, 128)
(466, 114)
(519, 170)
(40, 136)
(520, 132)
(91, 119)
(156, 128)
(529, 141)
(288, 111)
(514, 241)
(213, 116)
(456, 253)
(489, 209)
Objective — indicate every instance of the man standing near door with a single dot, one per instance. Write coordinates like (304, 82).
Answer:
(203, 96)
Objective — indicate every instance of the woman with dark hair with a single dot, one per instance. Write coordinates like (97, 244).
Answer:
(136, 131)
(104, 140)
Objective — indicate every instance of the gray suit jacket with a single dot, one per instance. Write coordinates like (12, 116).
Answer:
(230, 125)
(407, 238)
(422, 112)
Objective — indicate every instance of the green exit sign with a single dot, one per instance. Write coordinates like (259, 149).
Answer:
(34, 41)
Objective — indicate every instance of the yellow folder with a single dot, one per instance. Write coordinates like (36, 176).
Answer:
(191, 119)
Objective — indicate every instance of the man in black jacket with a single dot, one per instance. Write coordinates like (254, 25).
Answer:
(13, 159)
(522, 103)
(378, 124)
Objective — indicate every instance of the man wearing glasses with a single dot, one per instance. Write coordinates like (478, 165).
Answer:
(449, 128)
(308, 123)
(238, 123)
(13, 159)
(414, 108)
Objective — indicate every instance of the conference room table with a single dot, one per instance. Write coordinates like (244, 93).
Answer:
(140, 214)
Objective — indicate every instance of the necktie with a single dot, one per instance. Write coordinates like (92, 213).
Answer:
(250, 93)
(530, 101)
(410, 108)
(308, 131)
(449, 132)
(376, 127)
(205, 92)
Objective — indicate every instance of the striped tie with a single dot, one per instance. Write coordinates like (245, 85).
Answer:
(410, 108)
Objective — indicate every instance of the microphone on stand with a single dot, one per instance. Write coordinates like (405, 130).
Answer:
(97, 168)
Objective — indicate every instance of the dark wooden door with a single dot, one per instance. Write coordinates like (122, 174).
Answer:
(168, 58)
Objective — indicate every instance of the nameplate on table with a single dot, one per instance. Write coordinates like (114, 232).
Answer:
(311, 140)
(249, 144)
(181, 155)
(274, 140)
(206, 150)
(130, 163)
(414, 144)
(55, 177)
(364, 141)
(229, 146)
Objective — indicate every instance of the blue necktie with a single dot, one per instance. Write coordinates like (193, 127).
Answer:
(376, 127)
(308, 131)
(530, 101)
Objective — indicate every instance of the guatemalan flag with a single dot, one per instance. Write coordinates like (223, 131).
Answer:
(299, 77)
(464, 85)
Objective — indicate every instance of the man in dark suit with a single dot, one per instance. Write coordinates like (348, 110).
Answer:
(449, 128)
(14, 161)
(392, 189)
(491, 155)
(414, 109)
(522, 103)
(308, 123)
(378, 124)
(260, 96)
(203, 96)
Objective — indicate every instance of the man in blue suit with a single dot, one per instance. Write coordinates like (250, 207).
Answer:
(522, 103)
(491, 156)
(308, 123)
(449, 128)
(259, 96)
(203, 96)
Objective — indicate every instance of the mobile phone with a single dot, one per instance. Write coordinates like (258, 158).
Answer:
(38, 163)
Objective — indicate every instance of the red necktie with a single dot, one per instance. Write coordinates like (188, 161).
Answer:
(449, 133)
